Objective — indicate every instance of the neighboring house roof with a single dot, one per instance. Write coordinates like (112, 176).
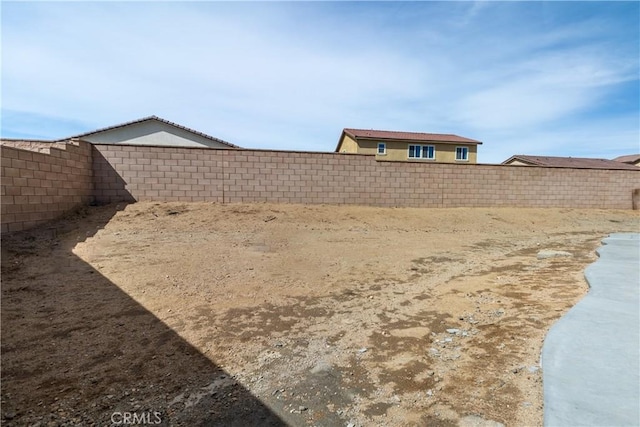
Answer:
(407, 136)
(569, 162)
(150, 118)
(631, 158)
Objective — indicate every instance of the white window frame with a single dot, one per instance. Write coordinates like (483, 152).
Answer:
(382, 145)
(465, 151)
(421, 149)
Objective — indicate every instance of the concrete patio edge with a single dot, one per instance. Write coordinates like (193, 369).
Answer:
(591, 356)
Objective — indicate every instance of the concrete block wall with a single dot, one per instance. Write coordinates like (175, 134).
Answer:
(40, 183)
(526, 186)
(31, 145)
(137, 173)
(194, 174)
(316, 178)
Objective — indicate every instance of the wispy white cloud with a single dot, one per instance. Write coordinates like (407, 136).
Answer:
(292, 75)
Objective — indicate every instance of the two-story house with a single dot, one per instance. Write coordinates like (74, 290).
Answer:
(409, 146)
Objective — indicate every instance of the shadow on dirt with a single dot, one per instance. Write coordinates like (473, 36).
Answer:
(83, 352)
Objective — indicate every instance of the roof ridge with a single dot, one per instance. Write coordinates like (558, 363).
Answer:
(627, 157)
(573, 162)
(560, 157)
(144, 119)
(408, 135)
(403, 131)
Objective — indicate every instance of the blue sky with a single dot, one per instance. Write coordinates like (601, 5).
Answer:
(543, 78)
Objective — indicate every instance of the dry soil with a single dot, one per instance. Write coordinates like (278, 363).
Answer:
(264, 314)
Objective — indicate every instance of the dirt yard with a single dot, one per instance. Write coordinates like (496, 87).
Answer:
(263, 314)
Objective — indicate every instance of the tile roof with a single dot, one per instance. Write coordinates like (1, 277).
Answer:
(570, 162)
(407, 136)
(145, 119)
(631, 158)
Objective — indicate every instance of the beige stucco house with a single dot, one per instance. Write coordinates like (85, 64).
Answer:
(409, 146)
(152, 131)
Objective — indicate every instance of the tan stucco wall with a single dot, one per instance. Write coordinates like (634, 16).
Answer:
(369, 147)
(347, 145)
(399, 151)
(152, 133)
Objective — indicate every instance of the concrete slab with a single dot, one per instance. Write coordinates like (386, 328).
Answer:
(591, 356)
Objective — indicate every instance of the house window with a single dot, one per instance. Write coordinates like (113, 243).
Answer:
(382, 148)
(462, 153)
(427, 152)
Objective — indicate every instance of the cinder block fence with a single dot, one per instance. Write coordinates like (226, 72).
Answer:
(40, 182)
(194, 174)
(38, 186)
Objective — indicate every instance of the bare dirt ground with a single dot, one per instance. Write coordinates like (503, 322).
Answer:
(262, 314)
